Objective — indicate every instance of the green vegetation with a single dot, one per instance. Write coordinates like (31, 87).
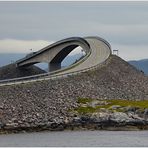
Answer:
(140, 104)
(85, 106)
(84, 100)
(85, 110)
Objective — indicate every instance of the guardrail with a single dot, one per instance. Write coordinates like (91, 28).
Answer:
(52, 76)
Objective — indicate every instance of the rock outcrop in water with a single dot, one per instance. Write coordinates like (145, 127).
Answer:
(47, 104)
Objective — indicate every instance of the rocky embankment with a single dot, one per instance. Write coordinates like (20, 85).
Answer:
(53, 104)
(11, 71)
(110, 114)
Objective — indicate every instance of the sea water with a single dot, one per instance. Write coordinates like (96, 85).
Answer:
(76, 138)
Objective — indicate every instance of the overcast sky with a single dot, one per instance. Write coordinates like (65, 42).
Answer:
(33, 25)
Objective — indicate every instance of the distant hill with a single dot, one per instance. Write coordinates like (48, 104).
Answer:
(8, 58)
(141, 65)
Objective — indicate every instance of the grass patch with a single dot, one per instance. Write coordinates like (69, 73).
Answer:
(140, 104)
(123, 103)
(84, 100)
(85, 110)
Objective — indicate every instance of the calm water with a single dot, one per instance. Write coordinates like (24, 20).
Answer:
(77, 138)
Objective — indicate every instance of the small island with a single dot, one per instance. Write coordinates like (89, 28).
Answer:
(111, 97)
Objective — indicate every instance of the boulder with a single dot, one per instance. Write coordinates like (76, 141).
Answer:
(139, 112)
(1, 125)
(131, 108)
(120, 117)
(146, 114)
(76, 119)
(100, 116)
(146, 111)
(103, 110)
(115, 107)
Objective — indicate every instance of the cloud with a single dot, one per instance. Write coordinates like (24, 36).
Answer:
(30, 20)
(21, 46)
(31, 24)
(127, 52)
(131, 52)
(76, 51)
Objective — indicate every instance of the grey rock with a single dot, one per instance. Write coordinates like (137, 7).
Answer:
(103, 110)
(11, 125)
(120, 117)
(146, 111)
(1, 106)
(97, 103)
(140, 112)
(115, 107)
(77, 119)
(101, 116)
(131, 109)
(1, 125)
(146, 114)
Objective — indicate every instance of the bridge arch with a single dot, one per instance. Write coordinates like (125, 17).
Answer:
(55, 53)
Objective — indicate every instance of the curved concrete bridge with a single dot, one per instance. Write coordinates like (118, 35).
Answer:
(97, 51)
(55, 53)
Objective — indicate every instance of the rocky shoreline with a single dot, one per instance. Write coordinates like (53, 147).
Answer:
(85, 123)
(104, 119)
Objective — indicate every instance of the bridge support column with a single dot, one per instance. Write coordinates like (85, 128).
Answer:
(54, 66)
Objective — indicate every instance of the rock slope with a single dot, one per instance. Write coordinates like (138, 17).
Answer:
(11, 71)
(48, 102)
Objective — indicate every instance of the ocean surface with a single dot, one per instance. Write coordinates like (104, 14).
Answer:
(76, 138)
